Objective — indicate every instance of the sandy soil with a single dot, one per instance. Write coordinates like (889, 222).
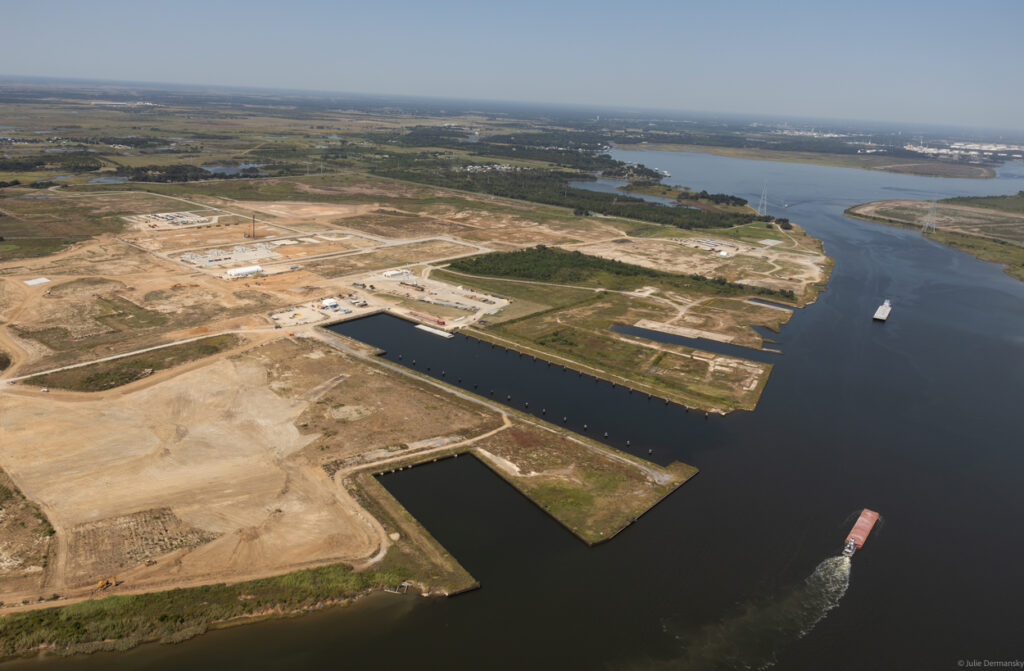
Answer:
(215, 445)
(228, 468)
(286, 210)
(752, 264)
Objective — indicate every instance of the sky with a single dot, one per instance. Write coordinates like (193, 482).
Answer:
(912, 61)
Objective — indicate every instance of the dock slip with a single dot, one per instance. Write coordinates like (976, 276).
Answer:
(882, 313)
(437, 332)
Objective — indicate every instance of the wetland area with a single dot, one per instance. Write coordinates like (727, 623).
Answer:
(916, 418)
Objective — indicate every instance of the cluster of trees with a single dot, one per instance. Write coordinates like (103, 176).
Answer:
(550, 264)
(78, 161)
(173, 173)
(190, 173)
(431, 136)
(1014, 203)
(13, 182)
(565, 149)
(633, 171)
(23, 164)
(552, 188)
(565, 158)
(716, 198)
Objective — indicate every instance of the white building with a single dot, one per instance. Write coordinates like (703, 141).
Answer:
(329, 302)
(244, 271)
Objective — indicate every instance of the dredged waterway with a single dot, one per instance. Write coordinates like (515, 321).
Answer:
(917, 418)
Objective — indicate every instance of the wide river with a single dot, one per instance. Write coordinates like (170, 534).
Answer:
(918, 418)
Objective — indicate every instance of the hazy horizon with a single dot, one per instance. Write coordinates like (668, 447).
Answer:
(943, 63)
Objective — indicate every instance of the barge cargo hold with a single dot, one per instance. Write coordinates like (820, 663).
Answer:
(859, 534)
(882, 313)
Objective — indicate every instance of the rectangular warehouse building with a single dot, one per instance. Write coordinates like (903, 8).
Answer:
(244, 271)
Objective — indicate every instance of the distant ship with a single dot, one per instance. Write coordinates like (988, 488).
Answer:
(859, 533)
(882, 313)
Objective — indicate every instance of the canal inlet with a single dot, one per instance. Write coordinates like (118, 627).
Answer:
(607, 412)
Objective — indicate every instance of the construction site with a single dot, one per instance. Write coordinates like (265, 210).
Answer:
(221, 434)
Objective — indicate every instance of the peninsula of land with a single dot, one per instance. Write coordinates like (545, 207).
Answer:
(991, 228)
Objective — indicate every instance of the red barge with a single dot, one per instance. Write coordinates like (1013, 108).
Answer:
(859, 533)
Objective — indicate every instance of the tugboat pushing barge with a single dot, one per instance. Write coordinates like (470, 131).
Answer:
(859, 533)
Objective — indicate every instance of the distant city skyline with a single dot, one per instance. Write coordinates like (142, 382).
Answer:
(940, 62)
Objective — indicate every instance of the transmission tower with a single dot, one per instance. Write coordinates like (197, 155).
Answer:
(762, 208)
(929, 221)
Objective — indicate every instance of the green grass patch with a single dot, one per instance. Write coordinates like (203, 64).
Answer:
(30, 248)
(118, 372)
(593, 490)
(581, 335)
(1014, 203)
(122, 622)
(123, 314)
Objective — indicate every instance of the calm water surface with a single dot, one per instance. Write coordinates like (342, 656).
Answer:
(918, 418)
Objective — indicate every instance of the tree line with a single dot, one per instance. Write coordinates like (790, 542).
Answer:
(551, 264)
(70, 162)
(551, 187)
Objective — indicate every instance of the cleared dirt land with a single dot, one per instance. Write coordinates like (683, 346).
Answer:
(388, 257)
(777, 260)
(256, 463)
(175, 463)
(216, 473)
(213, 447)
(25, 539)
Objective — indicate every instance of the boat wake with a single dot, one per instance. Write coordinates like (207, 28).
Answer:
(754, 638)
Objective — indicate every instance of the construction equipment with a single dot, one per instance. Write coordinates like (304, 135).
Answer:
(109, 582)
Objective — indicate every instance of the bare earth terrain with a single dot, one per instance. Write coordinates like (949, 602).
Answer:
(258, 459)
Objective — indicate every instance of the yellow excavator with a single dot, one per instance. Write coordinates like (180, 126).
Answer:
(109, 582)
